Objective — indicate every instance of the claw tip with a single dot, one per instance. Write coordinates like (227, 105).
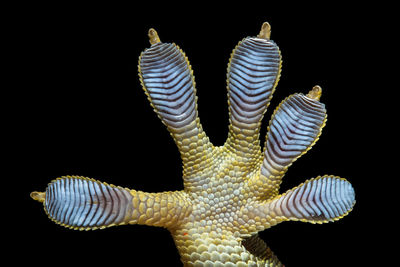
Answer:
(38, 196)
(153, 36)
(265, 31)
(315, 93)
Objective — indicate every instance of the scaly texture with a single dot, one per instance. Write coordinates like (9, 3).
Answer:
(230, 192)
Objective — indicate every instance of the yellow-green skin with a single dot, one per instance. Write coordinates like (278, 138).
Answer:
(231, 192)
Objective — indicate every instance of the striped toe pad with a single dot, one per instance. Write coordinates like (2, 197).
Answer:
(167, 79)
(294, 128)
(83, 203)
(253, 73)
(321, 199)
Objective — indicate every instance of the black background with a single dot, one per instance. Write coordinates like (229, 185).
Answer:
(80, 110)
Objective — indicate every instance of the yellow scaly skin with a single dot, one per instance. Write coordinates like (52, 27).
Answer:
(229, 193)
